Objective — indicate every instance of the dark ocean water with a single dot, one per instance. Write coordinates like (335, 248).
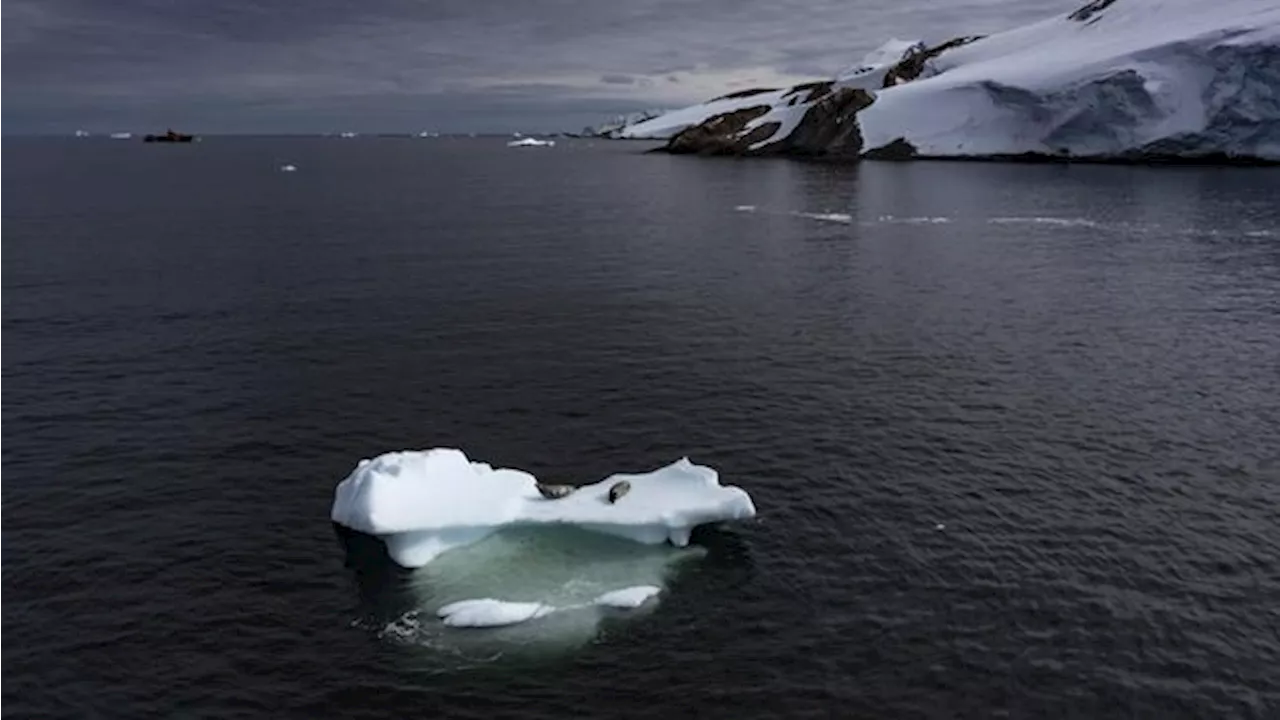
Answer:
(1075, 370)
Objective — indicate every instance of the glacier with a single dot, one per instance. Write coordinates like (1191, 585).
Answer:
(1127, 80)
(424, 503)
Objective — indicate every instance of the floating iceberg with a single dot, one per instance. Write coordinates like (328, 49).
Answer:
(288, 168)
(531, 142)
(423, 503)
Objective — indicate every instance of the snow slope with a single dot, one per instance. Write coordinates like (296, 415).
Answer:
(1115, 78)
(665, 126)
(1132, 75)
(424, 503)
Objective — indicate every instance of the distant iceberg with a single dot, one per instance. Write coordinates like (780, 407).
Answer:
(424, 503)
(121, 135)
(531, 142)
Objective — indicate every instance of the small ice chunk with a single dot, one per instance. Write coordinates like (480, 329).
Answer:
(745, 208)
(939, 526)
(632, 597)
(531, 142)
(288, 168)
(488, 612)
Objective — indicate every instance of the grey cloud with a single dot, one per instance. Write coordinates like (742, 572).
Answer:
(273, 65)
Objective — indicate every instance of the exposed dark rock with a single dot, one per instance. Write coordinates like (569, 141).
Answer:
(719, 135)
(1088, 11)
(815, 90)
(899, 149)
(913, 65)
(829, 126)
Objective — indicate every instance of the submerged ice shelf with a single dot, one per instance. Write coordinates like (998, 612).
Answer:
(489, 612)
(422, 503)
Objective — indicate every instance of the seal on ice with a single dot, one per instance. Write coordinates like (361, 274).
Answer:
(618, 490)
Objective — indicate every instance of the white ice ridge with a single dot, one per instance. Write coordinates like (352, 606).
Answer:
(422, 503)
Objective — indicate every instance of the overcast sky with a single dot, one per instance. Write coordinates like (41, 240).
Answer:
(450, 65)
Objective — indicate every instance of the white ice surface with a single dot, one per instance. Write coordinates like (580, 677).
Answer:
(422, 503)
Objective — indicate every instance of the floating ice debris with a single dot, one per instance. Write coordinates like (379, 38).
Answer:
(939, 526)
(288, 168)
(926, 220)
(1060, 222)
(531, 142)
(422, 503)
(745, 208)
(121, 135)
(842, 218)
(632, 597)
(487, 612)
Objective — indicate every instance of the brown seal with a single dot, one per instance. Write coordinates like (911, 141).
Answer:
(554, 492)
(618, 490)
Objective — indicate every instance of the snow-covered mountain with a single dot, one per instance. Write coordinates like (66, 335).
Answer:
(615, 127)
(1113, 79)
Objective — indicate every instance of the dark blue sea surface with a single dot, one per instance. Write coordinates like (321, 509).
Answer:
(1013, 431)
